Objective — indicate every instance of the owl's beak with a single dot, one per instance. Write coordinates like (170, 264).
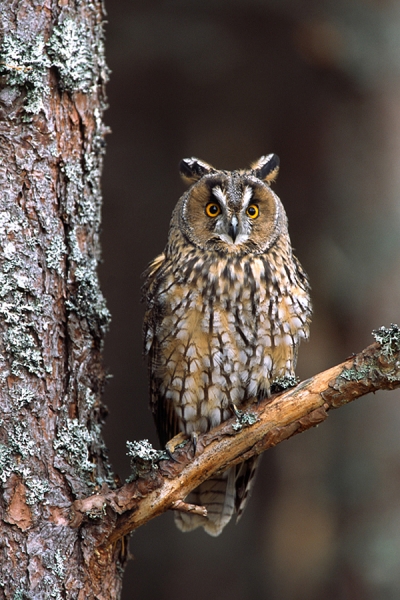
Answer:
(232, 229)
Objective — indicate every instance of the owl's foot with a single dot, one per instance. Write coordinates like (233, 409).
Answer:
(238, 413)
(177, 442)
(180, 440)
(265, 392)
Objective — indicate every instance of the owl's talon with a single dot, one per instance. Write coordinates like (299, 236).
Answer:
(170, 455)
(194, 437)
(235, 410)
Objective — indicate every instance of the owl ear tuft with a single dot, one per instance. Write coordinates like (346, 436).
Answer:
(193, 169)
(266, 168)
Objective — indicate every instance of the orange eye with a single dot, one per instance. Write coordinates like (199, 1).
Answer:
(213, 209)
(252, 211)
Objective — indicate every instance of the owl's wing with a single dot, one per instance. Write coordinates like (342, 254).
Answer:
(151, 275)
(164, 414)
(163, 410)
(151, 316)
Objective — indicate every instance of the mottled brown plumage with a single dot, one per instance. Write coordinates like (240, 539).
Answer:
(227, 305)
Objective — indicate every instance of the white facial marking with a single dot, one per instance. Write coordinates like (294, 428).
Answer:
(219, 194)
(241, 238)
(247, 196)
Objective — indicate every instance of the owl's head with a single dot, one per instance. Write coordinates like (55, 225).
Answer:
(230, 211)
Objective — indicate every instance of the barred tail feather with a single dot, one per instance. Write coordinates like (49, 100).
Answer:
(217, 494)
(244, 482)
(222, 496)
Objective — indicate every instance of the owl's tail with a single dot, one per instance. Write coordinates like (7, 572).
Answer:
(223, 496)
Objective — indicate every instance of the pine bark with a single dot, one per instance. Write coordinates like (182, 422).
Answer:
(52, 314)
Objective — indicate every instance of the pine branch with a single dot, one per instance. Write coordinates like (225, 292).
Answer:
(164, 484)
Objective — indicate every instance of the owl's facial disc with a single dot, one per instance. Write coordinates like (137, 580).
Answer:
(234, 213)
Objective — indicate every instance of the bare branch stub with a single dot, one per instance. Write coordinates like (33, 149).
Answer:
(189, 508)
(377, 367)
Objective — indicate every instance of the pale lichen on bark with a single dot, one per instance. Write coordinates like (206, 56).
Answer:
(77, 51)
(143, 458)
(26, 63)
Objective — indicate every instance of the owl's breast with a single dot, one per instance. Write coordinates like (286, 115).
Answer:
(225, 332)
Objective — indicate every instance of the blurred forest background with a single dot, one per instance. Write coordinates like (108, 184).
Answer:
(318, 83)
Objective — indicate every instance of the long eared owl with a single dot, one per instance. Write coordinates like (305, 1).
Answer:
(227, 305)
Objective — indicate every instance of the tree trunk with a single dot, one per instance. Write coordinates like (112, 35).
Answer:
(52, 314)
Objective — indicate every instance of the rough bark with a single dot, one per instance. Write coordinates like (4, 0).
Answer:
(161, 484)
(52, 313)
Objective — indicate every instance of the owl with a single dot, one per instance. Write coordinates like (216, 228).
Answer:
(227, 306)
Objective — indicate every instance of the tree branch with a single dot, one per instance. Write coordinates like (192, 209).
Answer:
(167, 482)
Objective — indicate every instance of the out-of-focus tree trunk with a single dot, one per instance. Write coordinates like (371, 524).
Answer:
(52, 314)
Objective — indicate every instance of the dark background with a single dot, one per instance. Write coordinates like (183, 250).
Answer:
(317, 83)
